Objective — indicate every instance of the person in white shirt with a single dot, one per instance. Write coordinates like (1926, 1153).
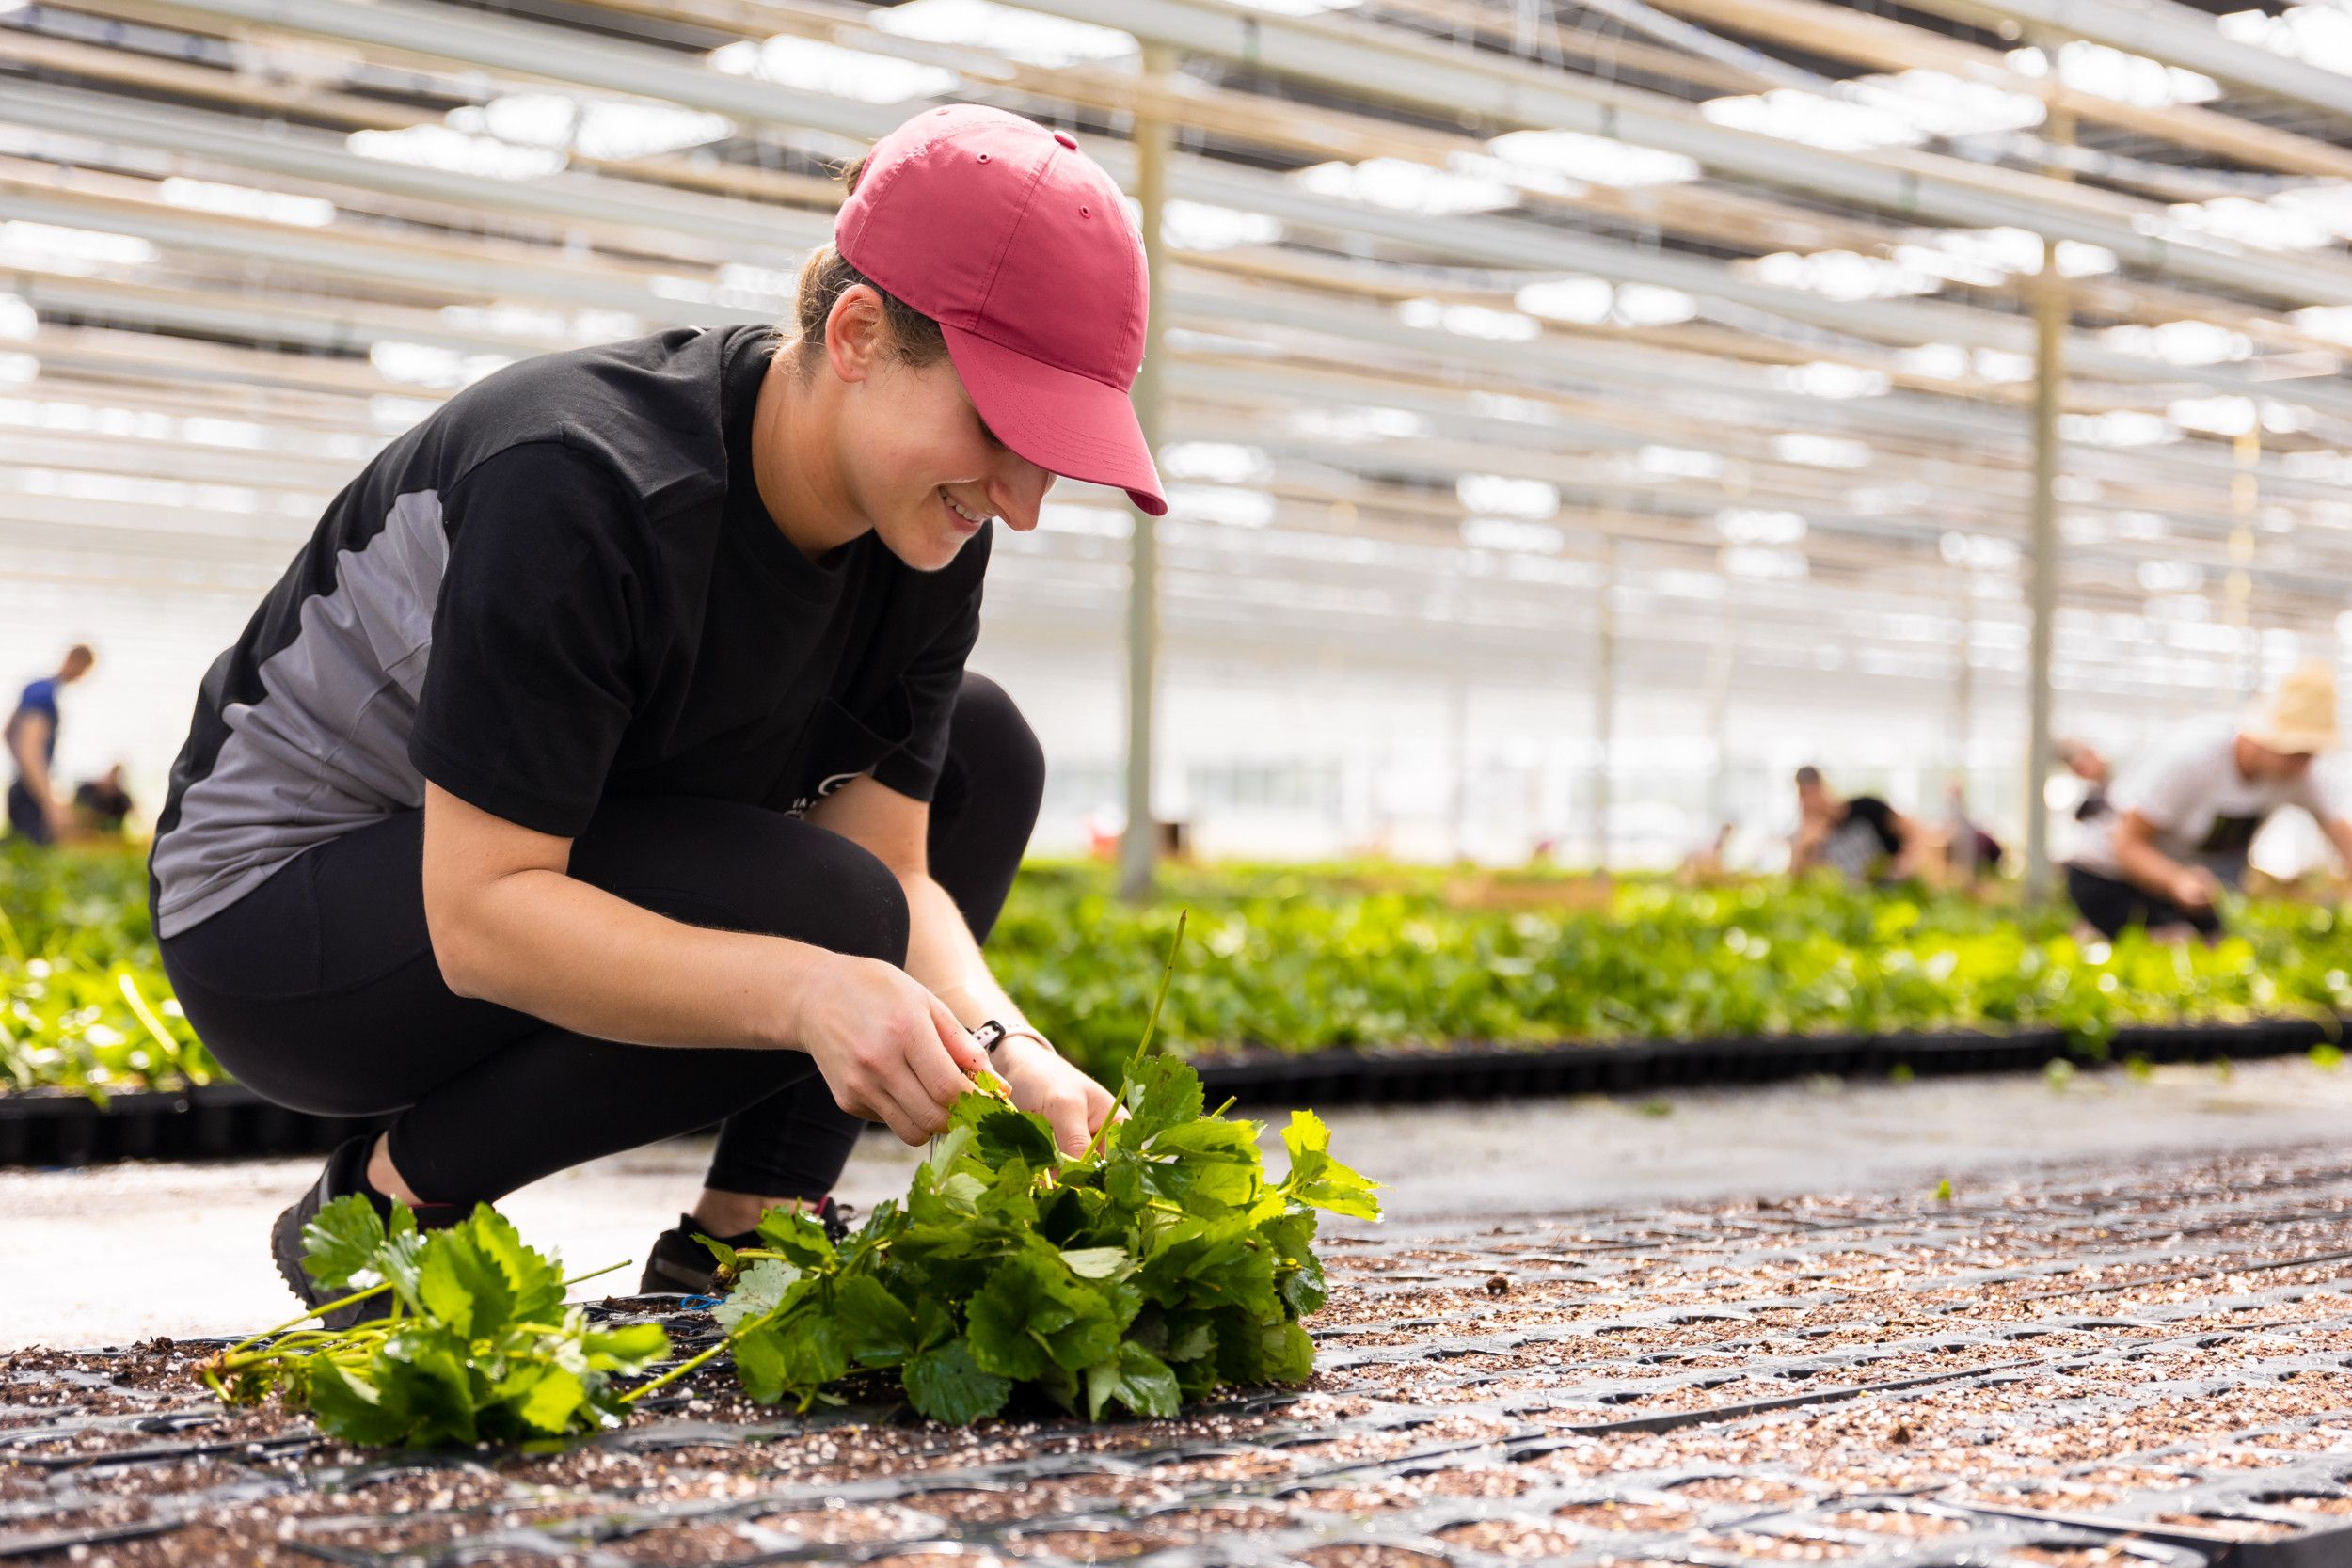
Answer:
(2183, 819)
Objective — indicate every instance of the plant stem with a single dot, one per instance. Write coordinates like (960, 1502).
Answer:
(298, 1323)
(1151, 1025)
(581, 1278)
(677, 1371)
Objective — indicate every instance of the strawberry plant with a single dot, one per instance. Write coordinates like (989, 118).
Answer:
(1155, 1265)
(477, 1344)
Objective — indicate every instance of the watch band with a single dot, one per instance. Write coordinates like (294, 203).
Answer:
(991, 1035)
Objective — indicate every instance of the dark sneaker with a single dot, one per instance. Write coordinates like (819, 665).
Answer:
(682, 1264)
(345, 1173)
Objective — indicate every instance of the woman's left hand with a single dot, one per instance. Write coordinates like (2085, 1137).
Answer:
(1044, 1084)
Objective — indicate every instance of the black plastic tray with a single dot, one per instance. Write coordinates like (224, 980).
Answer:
(231, 1121)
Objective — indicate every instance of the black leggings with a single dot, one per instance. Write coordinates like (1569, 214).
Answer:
(319, 990)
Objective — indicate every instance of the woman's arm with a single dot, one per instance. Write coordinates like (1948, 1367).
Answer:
(511, 925)
(945, 957)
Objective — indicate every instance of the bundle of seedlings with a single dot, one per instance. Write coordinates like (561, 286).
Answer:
(1149, 1269)
(476, 1345)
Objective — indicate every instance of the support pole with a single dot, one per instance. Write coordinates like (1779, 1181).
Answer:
(1604, 701)
(1138, 847)
(2051, 315)
(1964, 682)
(1719, 671)
(2238, 590)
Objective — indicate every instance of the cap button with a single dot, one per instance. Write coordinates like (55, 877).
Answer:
(1067, 140)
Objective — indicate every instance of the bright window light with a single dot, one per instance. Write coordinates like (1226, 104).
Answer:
(18, 369)
(443, 148)
(2269, 225)
(1980, 552)
(593, 128)
(2218, 416)
(1825, 378)
(1741, 525)
(2170, 577)
(1469, 321)
(1599, 160)
(1357, 423)
(1649, 305)
(208, 196)
(812, 65)
(431, 365)
(19, 323)
(1821, 451)
(1747, 562)
(1507, 495)
(1218, 503)
(2180, 342)
(1586, 301)
(1661, 462)
(1840, 274)
(1220, 462)
(1004, 30)
(1406, 186)
(1513, 534)
(2127, 78)
(1202, 226)
(2320, 35)
(58, 248)
(2118, 427)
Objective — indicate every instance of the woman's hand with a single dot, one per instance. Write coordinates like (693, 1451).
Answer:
(1042, 1082)
(889, 1050)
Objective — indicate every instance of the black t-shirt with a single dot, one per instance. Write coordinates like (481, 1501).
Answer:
(560, 587)
(578, 656)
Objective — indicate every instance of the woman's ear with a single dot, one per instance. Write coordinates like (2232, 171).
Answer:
(856, 333)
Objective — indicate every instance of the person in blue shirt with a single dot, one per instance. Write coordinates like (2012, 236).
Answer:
(36, 811)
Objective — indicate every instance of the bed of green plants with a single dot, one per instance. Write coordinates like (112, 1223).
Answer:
(1362, 954)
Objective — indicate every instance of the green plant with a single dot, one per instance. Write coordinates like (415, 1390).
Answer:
(478, 1345)
(1149, 1269)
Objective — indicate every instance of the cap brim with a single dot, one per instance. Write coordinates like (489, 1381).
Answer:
(1064, 422)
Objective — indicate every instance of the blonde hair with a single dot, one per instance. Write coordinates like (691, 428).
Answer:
(825, 276)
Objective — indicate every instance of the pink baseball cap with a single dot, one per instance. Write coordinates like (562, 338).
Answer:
(1020, 247)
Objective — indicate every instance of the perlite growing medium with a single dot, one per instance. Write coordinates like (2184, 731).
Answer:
(2089, 1370)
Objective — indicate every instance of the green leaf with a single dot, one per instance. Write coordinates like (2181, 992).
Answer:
(347, 1405)
(799, 1235)
(1317, 1178)
(876, 1326)
(946, 1384)
(758, 1290)
(1006, 1135)
(340, 1245)
(554, 1400)
(1137, 1379)
(1099, 1263)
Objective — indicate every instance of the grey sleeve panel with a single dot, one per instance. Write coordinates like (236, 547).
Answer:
(325, 750)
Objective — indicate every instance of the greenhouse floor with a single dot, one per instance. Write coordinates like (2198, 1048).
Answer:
(200, 1231)
(2107, 1363)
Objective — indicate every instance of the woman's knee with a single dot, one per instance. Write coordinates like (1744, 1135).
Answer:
(996, 744)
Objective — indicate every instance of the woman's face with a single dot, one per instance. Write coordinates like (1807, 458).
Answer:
(922, 466)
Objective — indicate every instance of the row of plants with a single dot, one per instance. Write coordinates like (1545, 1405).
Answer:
(1368, 956)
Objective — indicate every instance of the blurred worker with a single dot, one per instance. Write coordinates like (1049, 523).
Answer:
(2184, 817)
(35, 811)
(2082, 760)
(1864, 838)
(100, 806)
(1706, 864)
(1970, 851)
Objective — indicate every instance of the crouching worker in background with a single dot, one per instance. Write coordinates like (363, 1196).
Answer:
(2181, 821)
(606, 767)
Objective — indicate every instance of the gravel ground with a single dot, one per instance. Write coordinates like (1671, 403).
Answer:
(2130, 1363)
(208, 1272)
